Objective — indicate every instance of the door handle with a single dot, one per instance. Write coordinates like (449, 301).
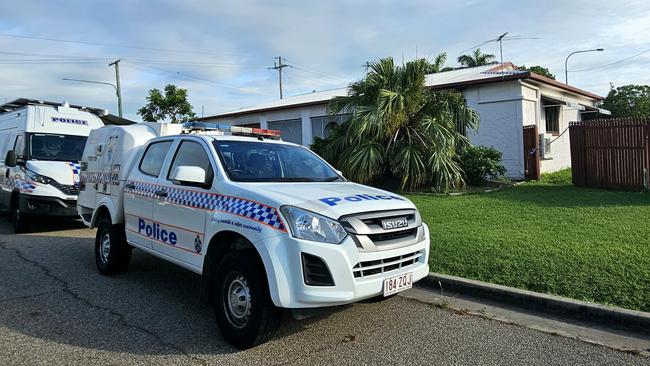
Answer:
(161, 193)
(130, 185)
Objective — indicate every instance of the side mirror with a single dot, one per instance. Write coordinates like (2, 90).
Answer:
(188, 175)
(11, 159)
(338, 172)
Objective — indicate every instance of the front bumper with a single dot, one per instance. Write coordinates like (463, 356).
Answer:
(46, 205)
(283, 262)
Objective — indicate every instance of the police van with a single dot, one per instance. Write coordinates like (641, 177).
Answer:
(268, 225)
(41, 144)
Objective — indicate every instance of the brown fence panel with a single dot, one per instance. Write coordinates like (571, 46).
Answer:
(611, 153)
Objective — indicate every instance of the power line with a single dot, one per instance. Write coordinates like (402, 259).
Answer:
(200, 80)
(613, 63)
(115, 45)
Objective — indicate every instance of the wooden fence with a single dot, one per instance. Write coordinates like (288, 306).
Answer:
(611, 153)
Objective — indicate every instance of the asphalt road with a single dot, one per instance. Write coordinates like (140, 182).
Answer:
(55, 309)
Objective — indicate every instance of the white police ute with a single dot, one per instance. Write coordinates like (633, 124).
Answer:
(41, 144)
(267, 224)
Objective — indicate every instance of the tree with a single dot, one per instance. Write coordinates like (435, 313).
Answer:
(540, 70)
(172, 106)
(438, 64)
(476, 59)
(628, 101)
(400, 128)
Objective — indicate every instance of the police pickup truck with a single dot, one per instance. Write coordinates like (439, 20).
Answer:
(267, 224)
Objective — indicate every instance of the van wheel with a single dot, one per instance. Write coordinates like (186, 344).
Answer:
(243, 307)
(19, 220)
(112, 253)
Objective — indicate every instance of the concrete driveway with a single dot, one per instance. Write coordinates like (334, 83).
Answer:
(55, 309)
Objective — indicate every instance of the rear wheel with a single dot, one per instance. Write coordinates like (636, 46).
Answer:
(243, 307)
(112, 253)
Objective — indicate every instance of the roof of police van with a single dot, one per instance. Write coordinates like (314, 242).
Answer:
(23, 102)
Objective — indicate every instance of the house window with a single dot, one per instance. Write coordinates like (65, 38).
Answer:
(552, 115)
(322, 126)
(290, 129)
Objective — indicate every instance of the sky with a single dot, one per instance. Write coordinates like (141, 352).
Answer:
(221, 51)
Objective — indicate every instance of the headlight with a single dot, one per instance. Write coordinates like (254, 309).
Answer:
(37, 177)
(312, 226)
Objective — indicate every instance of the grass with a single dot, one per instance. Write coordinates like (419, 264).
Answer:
(587, 244)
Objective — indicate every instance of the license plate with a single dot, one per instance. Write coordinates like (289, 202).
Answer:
(399, 283)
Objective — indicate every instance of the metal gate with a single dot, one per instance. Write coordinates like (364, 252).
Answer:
(531, 153)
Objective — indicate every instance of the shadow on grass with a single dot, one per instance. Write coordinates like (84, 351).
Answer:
(568, 196)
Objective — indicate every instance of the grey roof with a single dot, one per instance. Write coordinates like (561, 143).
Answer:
(22, 102)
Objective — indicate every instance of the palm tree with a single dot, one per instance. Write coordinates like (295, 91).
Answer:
(476, 59)
(438, 64)
(398, 127)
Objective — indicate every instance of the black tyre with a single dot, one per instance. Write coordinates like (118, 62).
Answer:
(19, 220)
(243, 307)
(112, 253)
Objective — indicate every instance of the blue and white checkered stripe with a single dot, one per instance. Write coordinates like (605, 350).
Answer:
(22, 185)
(76, 169)
(99, 177)
(214, 202)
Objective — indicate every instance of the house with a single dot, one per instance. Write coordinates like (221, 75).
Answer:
(524, 115)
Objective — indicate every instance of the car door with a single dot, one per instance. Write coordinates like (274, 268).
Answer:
(6, 144)
(141, 191)
(182, 214)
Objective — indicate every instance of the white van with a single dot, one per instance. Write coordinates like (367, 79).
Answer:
(41, 144)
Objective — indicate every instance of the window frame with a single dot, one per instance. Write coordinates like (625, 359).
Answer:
(549, 105)
(205, 185)
(162, 164)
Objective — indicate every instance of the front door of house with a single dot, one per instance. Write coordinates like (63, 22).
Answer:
(531, 153)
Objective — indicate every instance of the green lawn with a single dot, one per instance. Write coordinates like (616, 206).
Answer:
(587, 244)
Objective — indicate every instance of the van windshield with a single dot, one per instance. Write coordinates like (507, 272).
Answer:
(248, 161)
(44, 146)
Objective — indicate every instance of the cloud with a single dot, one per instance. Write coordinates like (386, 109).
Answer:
(223, 49)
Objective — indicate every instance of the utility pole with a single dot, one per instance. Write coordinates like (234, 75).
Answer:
(279, 66)
(116, 63)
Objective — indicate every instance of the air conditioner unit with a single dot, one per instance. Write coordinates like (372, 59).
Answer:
(545, 145)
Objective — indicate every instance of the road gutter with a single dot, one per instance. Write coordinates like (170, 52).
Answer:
(616, 328)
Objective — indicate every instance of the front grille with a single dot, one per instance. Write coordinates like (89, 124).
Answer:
(377, 238)
(71, 190)
(369, 235)
(315, 271)
(374, 267)
(375, 222)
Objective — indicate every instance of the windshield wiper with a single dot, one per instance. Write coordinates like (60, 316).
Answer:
(332, 179)
(296, 179)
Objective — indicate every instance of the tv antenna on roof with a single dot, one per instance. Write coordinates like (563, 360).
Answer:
(500, 39)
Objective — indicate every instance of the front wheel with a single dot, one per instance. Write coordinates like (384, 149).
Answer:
(112, 253)
(19, 220)
(243, 307)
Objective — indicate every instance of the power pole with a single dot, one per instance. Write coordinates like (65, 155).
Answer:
(116, 63)
(279, 66)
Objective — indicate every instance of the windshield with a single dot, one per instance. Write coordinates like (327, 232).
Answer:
(248, 161)
(44, 146)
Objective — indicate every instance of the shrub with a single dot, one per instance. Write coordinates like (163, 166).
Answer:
(559, 177)
(480, 163)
